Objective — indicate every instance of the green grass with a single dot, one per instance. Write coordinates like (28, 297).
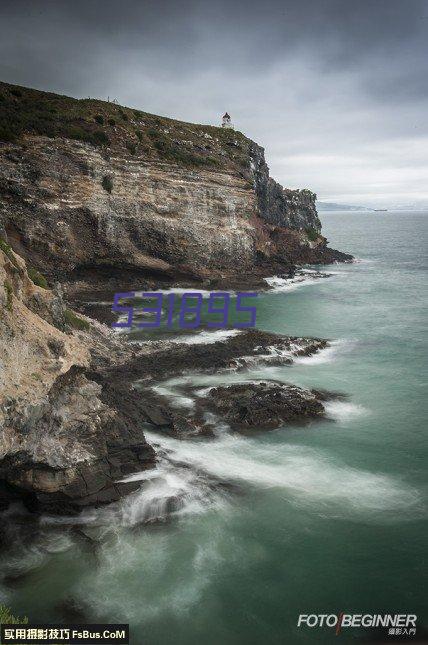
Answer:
(100, 138)
(7, 250)
(28, 111)
(7, 617)
(312, 234)
(75, 322)
(36, 277)
(9, 294)
(24, 111)
(168, 149)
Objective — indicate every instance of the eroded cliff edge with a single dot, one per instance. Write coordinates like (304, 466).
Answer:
(88, 186)
(64, 442)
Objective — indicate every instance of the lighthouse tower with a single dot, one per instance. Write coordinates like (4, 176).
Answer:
(227, 123)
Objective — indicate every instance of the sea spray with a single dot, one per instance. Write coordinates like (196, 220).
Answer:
(308, 475)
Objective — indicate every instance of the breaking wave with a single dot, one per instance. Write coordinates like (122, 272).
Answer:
(205, 337)
(344, 411)
(309, 476)
(306, 278)
(328, 354)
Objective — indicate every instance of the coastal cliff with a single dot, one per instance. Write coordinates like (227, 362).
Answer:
(90, 186)
(90, 193)
(63, 442)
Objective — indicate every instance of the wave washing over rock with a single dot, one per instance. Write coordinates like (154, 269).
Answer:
(71, 424)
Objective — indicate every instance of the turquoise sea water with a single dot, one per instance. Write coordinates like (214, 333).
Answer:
(326, 518)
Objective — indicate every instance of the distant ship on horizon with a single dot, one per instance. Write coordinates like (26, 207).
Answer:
(380, 210)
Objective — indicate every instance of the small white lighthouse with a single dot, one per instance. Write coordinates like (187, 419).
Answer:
(227, 123)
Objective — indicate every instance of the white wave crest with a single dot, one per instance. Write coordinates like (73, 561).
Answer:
(326, 355)
(344, 411)
(278, 284)
(205, 337)
(309, 476)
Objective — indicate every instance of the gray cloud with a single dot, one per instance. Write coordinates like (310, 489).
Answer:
(335, 90)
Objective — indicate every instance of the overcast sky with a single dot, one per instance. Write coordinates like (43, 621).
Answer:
(336, 91)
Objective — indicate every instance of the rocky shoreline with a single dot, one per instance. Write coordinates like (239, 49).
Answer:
(96, 198)
(78, 432)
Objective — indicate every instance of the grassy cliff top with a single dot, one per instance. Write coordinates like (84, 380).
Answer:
(109, 125)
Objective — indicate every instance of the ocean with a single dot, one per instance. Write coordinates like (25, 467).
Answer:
(317, 519)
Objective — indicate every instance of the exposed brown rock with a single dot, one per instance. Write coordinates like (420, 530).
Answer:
(188, 202)
(61, 445)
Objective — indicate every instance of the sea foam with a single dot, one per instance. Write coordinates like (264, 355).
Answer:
(309, 476)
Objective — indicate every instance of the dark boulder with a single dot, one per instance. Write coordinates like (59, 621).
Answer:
(264, 404)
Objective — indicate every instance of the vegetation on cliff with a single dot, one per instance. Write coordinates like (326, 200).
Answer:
(6, 617)
(37, 278)
(103, 123)
(7, 250)
(90, 186)
(75, 322)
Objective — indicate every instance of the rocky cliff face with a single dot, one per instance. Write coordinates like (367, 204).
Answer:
(158, 216)
(148, 194)
(291, 209)
(63, 442)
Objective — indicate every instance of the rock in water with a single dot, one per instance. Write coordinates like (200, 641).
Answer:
(264, 404)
